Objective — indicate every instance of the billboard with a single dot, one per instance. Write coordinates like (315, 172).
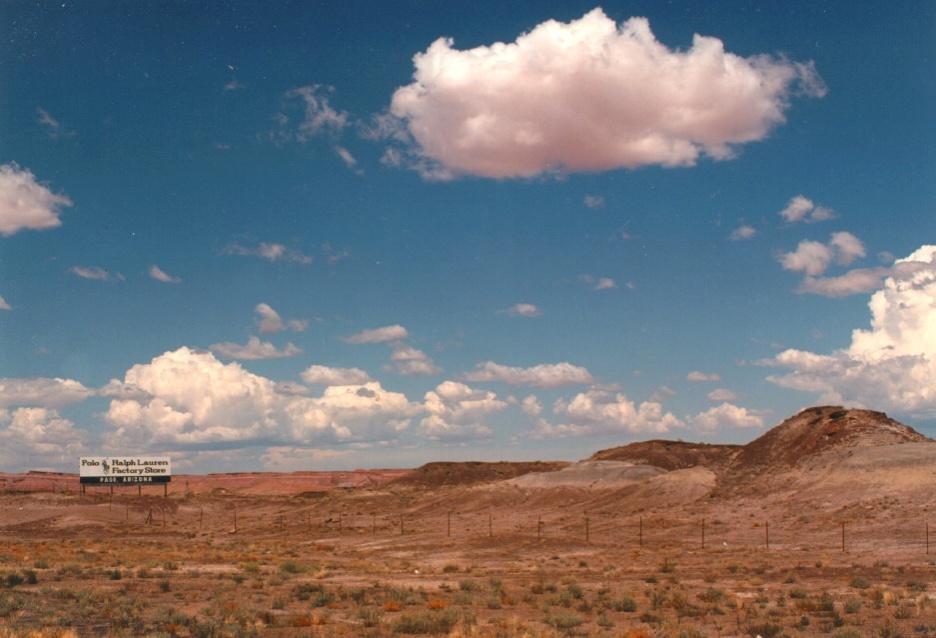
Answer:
(124, 470)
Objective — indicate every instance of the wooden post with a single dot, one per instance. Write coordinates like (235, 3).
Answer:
(165, 490)
(139, 490)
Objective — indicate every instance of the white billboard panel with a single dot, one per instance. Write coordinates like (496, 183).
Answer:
(118, 470)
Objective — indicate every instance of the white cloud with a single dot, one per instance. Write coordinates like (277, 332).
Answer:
(379, 335)
(95, 272)
(810, 257)
(813, 258)
(323, 375)
(409, 361)
(742, 233)
(601, 412)
(52, 126)
(546, 375)
(802, 209)
(318, 115)
(724, 417)
(270, 321)
(892, 365)
(43, 392)
(697, 376)
(523, 310)
(25, 204)
(39, 438)
(195, 401)
(4, 305)
(531, 406)
(254, 349)
(598, 283)
(269, 251)
(859, 280)
(458, 412)
(847, 248)
(723, 394)
(588, 96)
(157, 273)
(594, 201)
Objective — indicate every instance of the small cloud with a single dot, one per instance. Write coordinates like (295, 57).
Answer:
(323, 375)
(547, 375)
(4, 305)
(234, 85)
(594, 201)
(255, 349)
(410, 361)
(270, 322)
(523, 310)
(378, 335)
(598, 283)
(723, 394)
(25, 204)
(742, 232)
(157, 273)
(813, 257)
(268, 251)
(802, 209)
(51, 125)
(95, 272)
(703, 377)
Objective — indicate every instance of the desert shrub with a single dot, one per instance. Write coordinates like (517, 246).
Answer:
(12, 580)
(853, 605)
(369, 617)
(624, 603)
(426, 622)
(903, 612)
(604, 622)
(291, 566)
(451, 568)
(564, 620)
(860, 582)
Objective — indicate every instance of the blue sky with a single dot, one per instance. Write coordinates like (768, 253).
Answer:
(338, 235)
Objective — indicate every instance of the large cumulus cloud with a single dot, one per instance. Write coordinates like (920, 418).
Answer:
(190, 399)
(892, 365)
(588, 96)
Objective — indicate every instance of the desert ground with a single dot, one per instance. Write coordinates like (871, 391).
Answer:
(818, 528)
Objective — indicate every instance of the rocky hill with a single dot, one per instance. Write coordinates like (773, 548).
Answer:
(669, 455)
(822, 430)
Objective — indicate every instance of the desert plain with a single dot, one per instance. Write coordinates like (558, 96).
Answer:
(820, 527)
